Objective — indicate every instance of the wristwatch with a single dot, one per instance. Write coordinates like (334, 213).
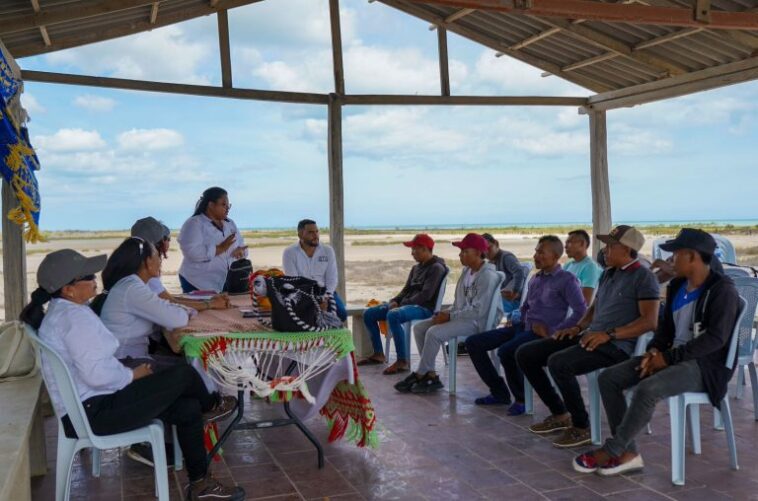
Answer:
(611, 333)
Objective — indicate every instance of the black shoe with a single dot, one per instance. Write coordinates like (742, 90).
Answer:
(462, 350)
(427, 384)
(404, 386)
(143, 453)
(211, 489)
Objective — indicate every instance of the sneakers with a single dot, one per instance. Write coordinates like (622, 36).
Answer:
(427, 384)
(143, 453)
(225, 405)
(585, 463)
(210, 489)
(551, 424)
(573, 437)
(516, 409)
(614, 467)
(404, 386)
(490, 400)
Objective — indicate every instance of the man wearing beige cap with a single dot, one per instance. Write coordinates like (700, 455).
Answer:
(625, 307)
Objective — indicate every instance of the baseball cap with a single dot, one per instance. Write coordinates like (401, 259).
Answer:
(624, 235)
(691, 238)
(423, 240)
(166, 231)
(489, 238)
(473, 241)
(148, 229)
(63, 266)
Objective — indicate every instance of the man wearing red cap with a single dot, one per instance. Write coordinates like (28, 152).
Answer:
(415, 302)
(478, 284)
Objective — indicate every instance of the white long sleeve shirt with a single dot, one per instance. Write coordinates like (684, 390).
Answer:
(198, 239)
(87, 348)
(321, 267)
(132, 311)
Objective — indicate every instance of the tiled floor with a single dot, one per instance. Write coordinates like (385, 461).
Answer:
(436, 447)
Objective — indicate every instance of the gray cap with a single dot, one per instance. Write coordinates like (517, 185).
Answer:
(63, 266)
(166, 231)
(148, 229)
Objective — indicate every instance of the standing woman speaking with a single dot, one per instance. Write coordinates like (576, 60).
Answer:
(210, 243)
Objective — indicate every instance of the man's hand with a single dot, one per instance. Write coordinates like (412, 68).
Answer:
(441, 318)
(392, 305)
(651, 363)
(592, 340)
(509, 295)
(540, 329)
(224, 246)
(219, 302)
(239, 252)
(141, 371)
(569, 333)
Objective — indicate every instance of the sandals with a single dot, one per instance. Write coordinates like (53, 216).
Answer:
(369, 361)
(394, 369)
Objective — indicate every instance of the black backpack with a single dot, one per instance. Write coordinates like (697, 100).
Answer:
(238, 277)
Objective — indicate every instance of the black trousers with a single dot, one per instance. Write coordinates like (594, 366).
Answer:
(565, 359)
(177, 396)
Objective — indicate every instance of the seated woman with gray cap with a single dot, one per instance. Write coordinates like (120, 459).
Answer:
(152, 230)
(115, 398)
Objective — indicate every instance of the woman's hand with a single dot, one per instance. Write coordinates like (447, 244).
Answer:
(141, 371)
(239, 252)
(219, 302)
(224, 246)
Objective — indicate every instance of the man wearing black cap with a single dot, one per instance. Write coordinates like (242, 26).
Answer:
(687, 354)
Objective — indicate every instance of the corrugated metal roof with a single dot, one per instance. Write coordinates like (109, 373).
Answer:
(600, 56)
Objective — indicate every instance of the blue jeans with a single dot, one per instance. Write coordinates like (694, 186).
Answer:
(340, 304)
(506, 340)
(395, 318)
(509, 306)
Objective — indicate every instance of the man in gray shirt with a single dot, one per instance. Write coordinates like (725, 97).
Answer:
(625, 307)
(515, 274)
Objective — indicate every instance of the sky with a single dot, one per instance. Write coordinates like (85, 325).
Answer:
(110, 157)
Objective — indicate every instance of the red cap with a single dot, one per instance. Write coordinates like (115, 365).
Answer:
(473, 241)
(423, 240)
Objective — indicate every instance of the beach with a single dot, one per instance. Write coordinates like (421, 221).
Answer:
(376, 262)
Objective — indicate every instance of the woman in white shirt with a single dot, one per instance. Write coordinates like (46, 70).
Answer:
(130, 310)
(210, 243)
(152, 230)
(117, 399)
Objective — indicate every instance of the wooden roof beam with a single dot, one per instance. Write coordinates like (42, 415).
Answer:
(42, 30)
(589, 61)
(535, 38)
(154, 12)
(633, 13)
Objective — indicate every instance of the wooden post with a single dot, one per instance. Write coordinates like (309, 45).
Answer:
(223, 45)
(444, 69)
(339, 73)
(601, 191)
(14, 258)
(336, 190)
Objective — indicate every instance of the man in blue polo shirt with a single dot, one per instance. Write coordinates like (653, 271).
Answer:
(625, 307)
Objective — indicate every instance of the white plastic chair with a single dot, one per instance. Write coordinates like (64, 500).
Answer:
(678, 410)
(747, 287)
(493, 353)
(491, 323)
(594, 391)
(68, 447)
(733, 272)
(408, 326)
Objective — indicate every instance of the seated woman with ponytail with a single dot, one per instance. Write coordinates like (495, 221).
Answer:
(130, 310)
(115, 398)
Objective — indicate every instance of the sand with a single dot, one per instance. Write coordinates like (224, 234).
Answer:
(376, 264)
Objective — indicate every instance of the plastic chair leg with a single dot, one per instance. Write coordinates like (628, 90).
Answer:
(67, 448)
(739, 390)
(387, 340)
(158, 447)
(730, 440)
(754, 385)
(694, 418)
(452, 353)
(594, 393)
(178, 456)
(528, 397)
(678, 427)
(96, 458)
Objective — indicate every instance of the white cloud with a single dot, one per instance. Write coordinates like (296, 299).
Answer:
(168, 53)
(94, 103)
(30, 103)
(631, 141)
(70, 140)
(150, 139)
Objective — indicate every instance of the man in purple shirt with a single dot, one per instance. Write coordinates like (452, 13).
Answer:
(552, 292)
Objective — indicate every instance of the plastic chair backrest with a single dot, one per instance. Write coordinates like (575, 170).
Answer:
(731, 356)
(747, 288)
(441, 292)
(527, 270)
(64, 383)
(642, 342)
(737, 272)
(496, 301)
(724, 249)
